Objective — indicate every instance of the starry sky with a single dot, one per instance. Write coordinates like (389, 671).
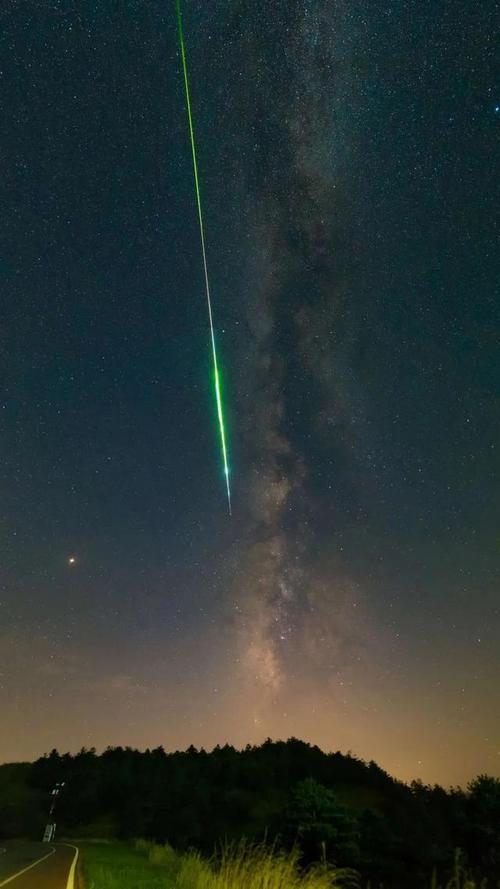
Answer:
(347, 162)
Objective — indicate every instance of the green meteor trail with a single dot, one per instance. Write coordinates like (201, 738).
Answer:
(218, 396)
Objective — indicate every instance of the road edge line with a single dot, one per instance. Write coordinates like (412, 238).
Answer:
(71, 876)
(23, 871)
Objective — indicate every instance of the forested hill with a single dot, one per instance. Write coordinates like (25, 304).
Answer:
(281, 789)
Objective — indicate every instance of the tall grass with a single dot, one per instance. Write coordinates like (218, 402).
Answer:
(258, 867)
(237, 866)
(461, 879)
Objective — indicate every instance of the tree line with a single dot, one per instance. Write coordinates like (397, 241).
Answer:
(290, 792)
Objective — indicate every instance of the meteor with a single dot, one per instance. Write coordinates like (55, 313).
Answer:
(217, 385)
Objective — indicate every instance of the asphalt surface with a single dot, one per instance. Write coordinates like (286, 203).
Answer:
(16, 854)
(51, 873)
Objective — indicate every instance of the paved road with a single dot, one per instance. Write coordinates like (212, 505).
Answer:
(17, 854)
(55, 871)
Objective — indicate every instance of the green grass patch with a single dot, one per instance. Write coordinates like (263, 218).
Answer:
(149, 866)
(119, 866)
(238, 866)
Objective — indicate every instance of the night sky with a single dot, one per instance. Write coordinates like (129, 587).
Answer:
(348, 161)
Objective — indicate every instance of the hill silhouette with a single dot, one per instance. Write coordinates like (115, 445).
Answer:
(290, 790)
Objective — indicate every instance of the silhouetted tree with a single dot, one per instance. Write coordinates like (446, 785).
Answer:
(393, 833)
(320, 822)
(481, 826)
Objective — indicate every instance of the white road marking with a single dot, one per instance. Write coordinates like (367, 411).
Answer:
(23, 871)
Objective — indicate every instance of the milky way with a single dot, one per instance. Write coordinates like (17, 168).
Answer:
(347, 160)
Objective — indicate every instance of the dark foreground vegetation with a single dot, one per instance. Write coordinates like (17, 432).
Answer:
(335, 808)
(145, 865)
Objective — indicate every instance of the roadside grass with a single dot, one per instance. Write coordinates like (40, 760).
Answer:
(238, 866)
(460, 878)
(258, 867)
(150, 866)
(119, 866)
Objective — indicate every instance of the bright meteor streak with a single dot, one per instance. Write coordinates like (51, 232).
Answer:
(218, 397)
